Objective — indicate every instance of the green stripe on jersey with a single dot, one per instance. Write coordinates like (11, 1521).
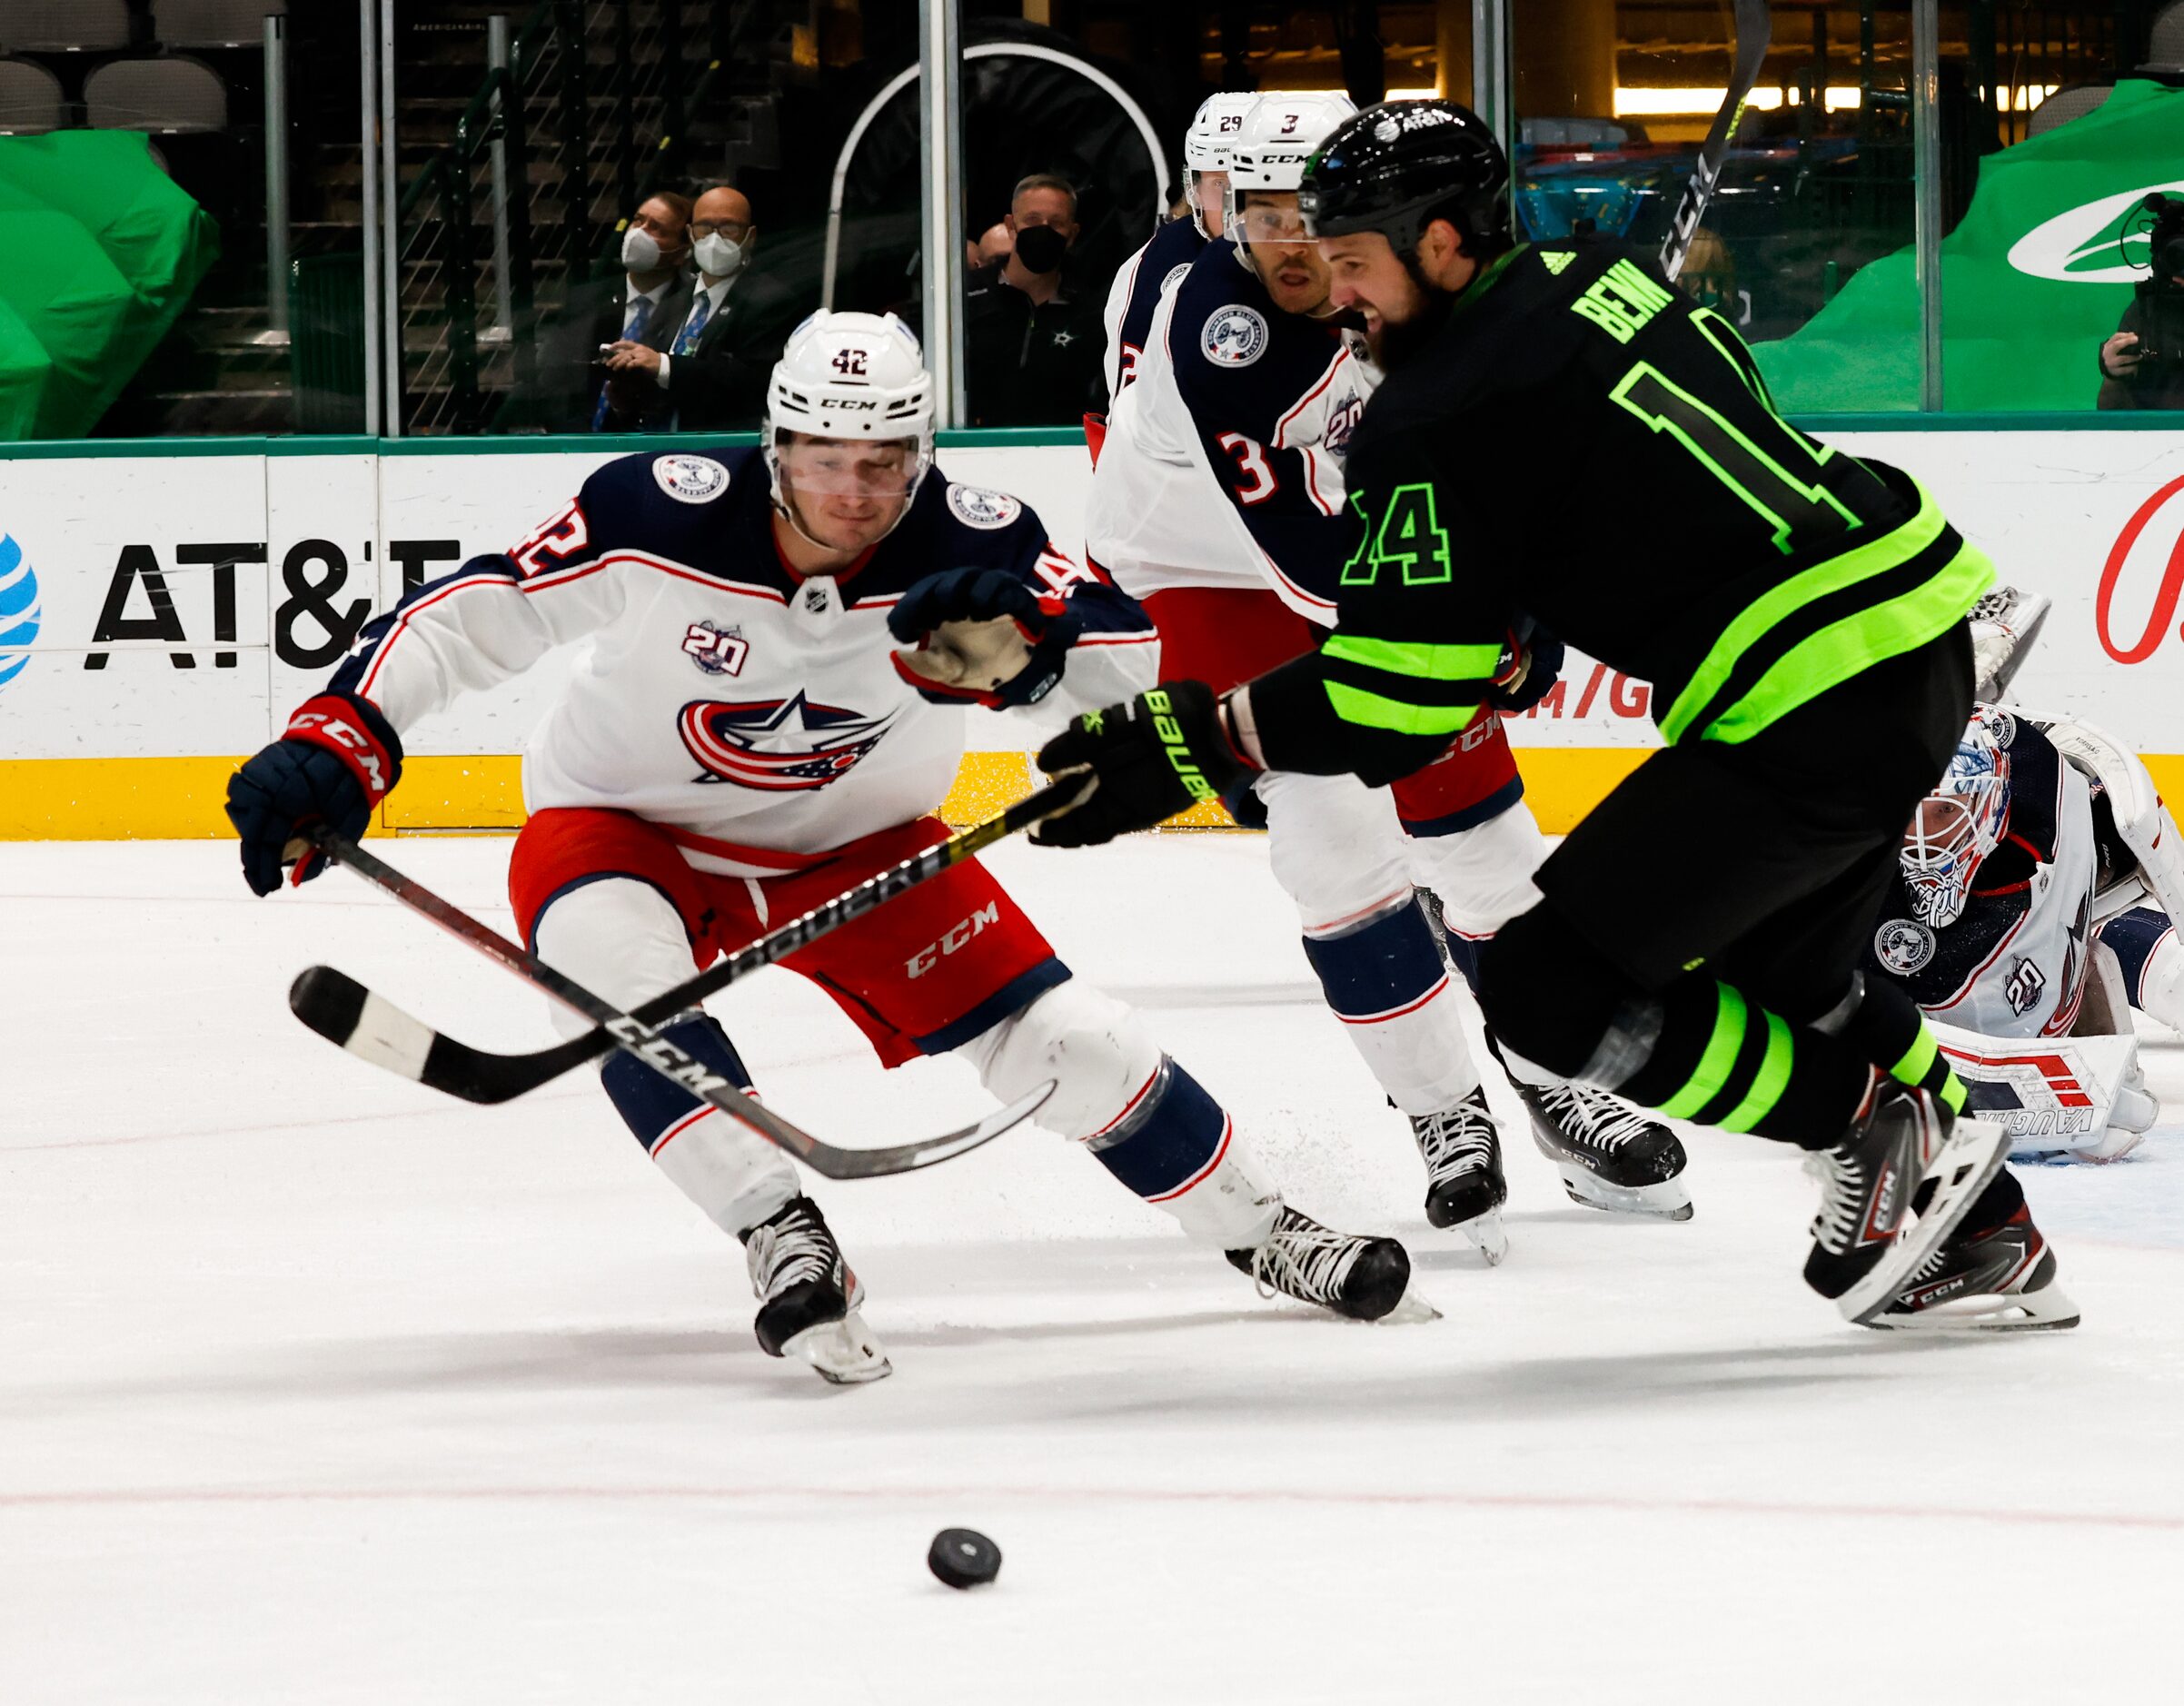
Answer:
(1431, 663)
(1373, 710)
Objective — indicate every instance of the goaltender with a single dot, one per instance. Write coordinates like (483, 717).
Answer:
(1566, 445)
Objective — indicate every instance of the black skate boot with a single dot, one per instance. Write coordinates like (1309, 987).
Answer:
(1363, 1278)
(1608, 1154)
(1994, 1274)
(1464, 1189)
(1867, 1239)
(809, 1299)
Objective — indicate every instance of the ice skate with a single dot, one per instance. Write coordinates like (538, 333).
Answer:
(1465, 1187)
(2001, 1279)
(1867, 1238)
(809, 1297)
(1363, 1278)
(1610, 1156)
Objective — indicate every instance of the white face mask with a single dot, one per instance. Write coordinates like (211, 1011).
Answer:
(718, 257)
(639, 250)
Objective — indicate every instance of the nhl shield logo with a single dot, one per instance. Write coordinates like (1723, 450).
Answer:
(1235, 336)
(1902, 946)
(689, 479)
(975, 506)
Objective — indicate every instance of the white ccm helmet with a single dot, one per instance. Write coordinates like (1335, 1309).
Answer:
(1206, 146)
(850, 376)
(1278, 135)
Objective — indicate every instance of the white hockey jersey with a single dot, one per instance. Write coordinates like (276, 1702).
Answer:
(758, 715)
(1222, 461)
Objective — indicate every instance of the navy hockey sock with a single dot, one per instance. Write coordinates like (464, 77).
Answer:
(1884, 1022)
(1381, 969)
(649, 1104)
(1170, 1139)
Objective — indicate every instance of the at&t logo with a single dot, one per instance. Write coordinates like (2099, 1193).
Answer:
(18, 610)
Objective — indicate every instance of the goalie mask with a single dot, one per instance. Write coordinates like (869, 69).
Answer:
(848, 416)
(1957, 825)
(1277, 137)
(1206, 149)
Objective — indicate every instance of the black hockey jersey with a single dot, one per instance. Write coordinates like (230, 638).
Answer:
(1583, 446)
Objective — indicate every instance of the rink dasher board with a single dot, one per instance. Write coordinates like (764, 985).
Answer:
(162, 611)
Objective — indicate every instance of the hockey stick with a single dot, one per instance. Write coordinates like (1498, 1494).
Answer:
(1754, 30)
(341, 1009)
(344, 1012)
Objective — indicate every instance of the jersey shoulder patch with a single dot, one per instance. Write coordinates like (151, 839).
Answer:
(1233, 335)
(1903, 946)
(689, 479)
(976, 506)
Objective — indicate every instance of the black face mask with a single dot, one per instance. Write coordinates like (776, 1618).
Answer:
(1040, 248)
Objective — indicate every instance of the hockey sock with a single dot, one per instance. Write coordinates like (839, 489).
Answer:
(1721, 1059)
(1464, 953)
(1385, 981)
(734, 1176)
(2145, 943)
(1881, 1021)
(1176, 1148)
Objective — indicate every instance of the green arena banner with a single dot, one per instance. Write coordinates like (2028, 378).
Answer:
(103, 251)
(2033, 281)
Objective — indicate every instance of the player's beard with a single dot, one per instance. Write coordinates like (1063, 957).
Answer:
(1401, 340)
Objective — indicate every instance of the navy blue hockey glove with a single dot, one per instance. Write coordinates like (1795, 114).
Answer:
(1530, 669)
(1155, 757)
(336, 761)
(982, 634)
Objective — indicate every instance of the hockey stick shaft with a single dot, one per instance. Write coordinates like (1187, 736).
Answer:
(480, 1077)
(348, 1014)
(1755, 30)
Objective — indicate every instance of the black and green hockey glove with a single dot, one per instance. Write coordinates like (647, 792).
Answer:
(1155, 756)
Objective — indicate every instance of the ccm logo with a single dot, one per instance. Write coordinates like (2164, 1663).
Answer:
(352, 738)
(958, 936)
(2163, 557)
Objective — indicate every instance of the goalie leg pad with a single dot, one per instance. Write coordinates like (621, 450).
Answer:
(620, 936)
(1147, 1121)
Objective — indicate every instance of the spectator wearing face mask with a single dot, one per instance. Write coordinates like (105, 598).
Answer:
(642, 301)
(1031, 340)
(711, 375)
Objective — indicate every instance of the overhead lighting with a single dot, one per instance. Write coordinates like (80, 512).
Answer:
(1705, 102)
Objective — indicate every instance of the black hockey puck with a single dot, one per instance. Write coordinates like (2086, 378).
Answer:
(964, 1557)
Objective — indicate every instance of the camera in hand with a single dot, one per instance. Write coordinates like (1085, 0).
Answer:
(2162, 292)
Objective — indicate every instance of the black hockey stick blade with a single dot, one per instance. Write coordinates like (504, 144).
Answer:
(1755, 30)
(373, 1028)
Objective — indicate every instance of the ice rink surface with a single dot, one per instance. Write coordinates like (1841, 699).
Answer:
(315, 1387)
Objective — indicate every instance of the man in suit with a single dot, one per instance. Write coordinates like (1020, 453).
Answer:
(644, 301)
(712, 376)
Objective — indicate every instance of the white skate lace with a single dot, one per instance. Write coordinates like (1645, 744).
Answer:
(1841, 1198)
(788, 1251)
(1303, 1259)
(1590, 1116)
(1455, 1141)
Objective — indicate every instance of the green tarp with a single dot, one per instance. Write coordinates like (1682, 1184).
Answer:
(2032, 280)
(102, 251)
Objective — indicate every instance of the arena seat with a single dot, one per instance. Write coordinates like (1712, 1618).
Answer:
(212, 23)
(2074, 100)
(166, 97)
(2165, 46)
(63, 26)
(30, 99)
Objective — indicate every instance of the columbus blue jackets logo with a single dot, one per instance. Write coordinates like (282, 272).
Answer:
(1902, 946)
(1235, 336)
(19, 610)
(778, 746)
(974, 506)
(689, 479)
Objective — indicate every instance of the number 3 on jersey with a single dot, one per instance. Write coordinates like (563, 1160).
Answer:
(1251, 465)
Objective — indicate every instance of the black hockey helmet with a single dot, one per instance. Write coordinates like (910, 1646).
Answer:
(1396, 167)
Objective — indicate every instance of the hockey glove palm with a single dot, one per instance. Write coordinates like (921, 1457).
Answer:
(956, 620)
(337, 760)
(1153, 757)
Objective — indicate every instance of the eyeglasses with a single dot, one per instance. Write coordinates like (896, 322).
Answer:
(735, 230)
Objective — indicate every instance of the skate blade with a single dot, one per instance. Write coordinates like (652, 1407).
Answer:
(1966, 1166)
(846, 1353)
(1487, 1235)
(1667, 1200)
(2044, 1311)
(1410, 1309)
